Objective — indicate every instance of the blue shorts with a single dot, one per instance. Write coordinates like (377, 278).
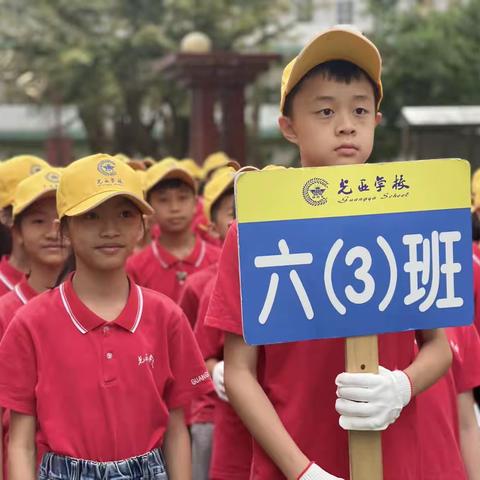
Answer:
(150, 466)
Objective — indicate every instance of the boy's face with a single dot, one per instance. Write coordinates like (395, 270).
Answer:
(333, 123)
(224, 216)
(174, 208)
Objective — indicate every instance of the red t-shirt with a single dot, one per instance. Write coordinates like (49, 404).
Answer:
(438, 411)
(299, 379)
(9, 276)
(232, 443)
(156, 268)
(193, 289)
(100, 390)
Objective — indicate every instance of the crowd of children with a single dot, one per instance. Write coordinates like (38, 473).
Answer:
(121, 352)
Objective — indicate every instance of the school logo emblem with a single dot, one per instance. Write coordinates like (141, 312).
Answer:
(52, 177)
(314, 190)
(107, 167)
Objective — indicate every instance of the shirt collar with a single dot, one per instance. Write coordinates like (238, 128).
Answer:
(24, 291)
(85, 320)
(167, 260)
(9, 275)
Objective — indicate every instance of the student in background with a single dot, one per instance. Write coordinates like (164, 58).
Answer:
(219, 209)
(177, 252)
(12, 172)
(448, 429)
(34, 214)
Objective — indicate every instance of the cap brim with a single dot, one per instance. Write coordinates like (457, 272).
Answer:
(337, 44)
(45, 194)
(180, 174)
(102, 197)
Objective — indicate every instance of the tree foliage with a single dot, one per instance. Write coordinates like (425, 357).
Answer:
(430, 58)
(100, 55)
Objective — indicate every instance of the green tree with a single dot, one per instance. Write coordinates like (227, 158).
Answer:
(100, 56)
(430, 58)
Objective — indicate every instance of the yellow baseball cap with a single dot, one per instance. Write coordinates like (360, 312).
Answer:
(222, 180)
(167, 169)
(92, 180)
(122, 157)
(342, 42)
(13, 171)
(192, 167)
(32, 188)
(218, 160)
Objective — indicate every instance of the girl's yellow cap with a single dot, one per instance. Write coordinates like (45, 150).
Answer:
(34, 187)
(14, 170)
(92, 180)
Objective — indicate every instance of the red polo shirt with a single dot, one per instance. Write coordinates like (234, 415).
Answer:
(438, 411)
(299, 379)
(156, 268)
(9, 276)
(100, 390)
(9, 305)
(232, 443)
(193, 290)
(12, 301)
(476, 284)
(210, 341)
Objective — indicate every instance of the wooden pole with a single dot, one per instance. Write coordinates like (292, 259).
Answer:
(365, 448)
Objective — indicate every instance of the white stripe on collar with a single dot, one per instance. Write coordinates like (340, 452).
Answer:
(139, 309)
(77, 324)
(202, 254)
(5, 281)
(156, 253)
(20, 294)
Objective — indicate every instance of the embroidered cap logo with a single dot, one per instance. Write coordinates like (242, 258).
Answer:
(52, 177)
(107, 167)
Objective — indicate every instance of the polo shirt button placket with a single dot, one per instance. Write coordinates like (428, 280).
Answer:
(109, 359)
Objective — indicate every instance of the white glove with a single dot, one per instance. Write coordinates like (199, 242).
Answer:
(367, 401)
(314, 472)
(218, 381)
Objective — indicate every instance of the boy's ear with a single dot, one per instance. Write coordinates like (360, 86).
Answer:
(378, 118)
(286, 127)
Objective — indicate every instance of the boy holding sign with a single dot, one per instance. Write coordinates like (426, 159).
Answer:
(286, 393)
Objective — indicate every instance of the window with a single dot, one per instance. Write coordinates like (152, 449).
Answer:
(345, 11)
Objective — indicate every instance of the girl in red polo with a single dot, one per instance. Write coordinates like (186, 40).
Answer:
(99, 366)
(34, 213)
